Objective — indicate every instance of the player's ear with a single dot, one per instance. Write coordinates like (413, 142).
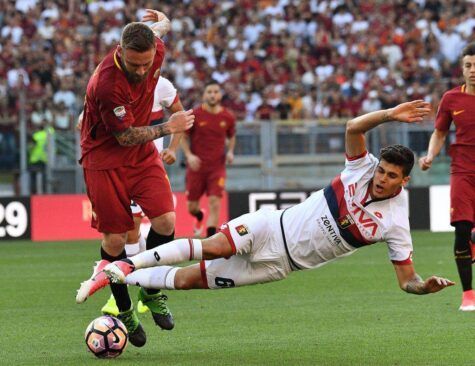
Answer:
(405, 180)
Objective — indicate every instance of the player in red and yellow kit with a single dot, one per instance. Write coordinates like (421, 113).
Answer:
(458, 106)
(204, 146)
(120, 161)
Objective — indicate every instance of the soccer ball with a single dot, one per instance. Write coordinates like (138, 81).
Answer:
(106, 337)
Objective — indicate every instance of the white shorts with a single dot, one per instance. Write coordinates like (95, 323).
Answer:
(136, 209)
(260, 253)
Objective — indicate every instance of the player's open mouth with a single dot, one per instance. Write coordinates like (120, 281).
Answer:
(378, 188)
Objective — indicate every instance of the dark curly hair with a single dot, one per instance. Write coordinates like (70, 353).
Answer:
(398, 155)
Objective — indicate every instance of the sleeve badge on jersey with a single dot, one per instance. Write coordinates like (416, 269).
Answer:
(120, 112)
(345, 221)
(242, 230)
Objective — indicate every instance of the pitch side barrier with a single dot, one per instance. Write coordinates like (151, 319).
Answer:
(67, 217)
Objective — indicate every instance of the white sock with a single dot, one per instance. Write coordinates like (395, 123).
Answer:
(142, 244)
(132, 249)
(161, 277)
(176, 251)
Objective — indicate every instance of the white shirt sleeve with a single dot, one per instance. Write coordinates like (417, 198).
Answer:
(165, 94)
(398, 235)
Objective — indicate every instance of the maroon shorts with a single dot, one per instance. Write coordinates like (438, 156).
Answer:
(210, 182)
(110, 193)
(462, 198)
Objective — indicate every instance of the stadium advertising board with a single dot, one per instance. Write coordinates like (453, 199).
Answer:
(243, 202)
(68, 217)
(15, 218)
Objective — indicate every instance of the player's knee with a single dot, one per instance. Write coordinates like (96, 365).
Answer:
(214, 202)
(193, 207)
(133, 236)
(165, 224)
(114, 243)
(216, 246)
(184, 280)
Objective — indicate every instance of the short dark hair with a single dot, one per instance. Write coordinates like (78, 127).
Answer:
(469, 50)
(138, 37)
(398, 155)
(212, 82)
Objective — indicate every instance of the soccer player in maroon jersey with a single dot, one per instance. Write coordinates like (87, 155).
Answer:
(458, 106)
(204, 146)
(120, 161)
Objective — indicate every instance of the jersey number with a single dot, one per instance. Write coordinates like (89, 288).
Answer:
(224, 282)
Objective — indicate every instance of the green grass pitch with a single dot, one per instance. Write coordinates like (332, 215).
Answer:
(350, 312)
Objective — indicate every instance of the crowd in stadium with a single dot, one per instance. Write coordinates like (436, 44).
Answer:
(278, 59)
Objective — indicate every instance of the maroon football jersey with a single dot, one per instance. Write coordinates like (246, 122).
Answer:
(112, 105)
(208, 136)
(458, 106)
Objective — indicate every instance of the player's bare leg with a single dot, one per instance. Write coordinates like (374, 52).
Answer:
(214, 203)
(195, 211)
(162, 231)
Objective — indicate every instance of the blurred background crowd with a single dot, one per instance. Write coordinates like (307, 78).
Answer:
(281, 59)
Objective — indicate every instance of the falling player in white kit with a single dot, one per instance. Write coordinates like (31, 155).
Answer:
(365, 204)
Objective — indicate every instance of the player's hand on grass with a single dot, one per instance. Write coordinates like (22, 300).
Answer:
(435, 284)
(425, 162)
(181, 121)
(410, 112)
(168, 156)
(193, 161)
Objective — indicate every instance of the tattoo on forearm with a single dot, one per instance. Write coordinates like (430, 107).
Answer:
(386, 117)
(140, 135)
(416, 286)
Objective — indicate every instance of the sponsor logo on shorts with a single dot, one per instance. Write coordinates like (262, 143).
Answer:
(120, 112)
(221, 182)
(242, 230)
(458, 112)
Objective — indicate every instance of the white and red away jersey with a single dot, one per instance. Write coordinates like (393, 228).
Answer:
(165, 95)
(337, 220)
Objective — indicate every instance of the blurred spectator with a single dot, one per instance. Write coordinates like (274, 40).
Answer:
(371, 103)
(332, 51)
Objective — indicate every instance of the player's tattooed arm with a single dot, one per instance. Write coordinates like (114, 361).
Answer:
(178, 122)
(140, 135)
(416, 286)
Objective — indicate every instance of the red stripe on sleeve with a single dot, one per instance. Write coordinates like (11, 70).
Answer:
(204, 279)
(406, 261)
(190, 241)
(177, 99)
(225, 230)
(351, 158)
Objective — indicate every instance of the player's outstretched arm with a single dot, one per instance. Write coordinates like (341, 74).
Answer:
(409, 112)
(161, 24)
(178, 122)
(436, 142)
(412, 283)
